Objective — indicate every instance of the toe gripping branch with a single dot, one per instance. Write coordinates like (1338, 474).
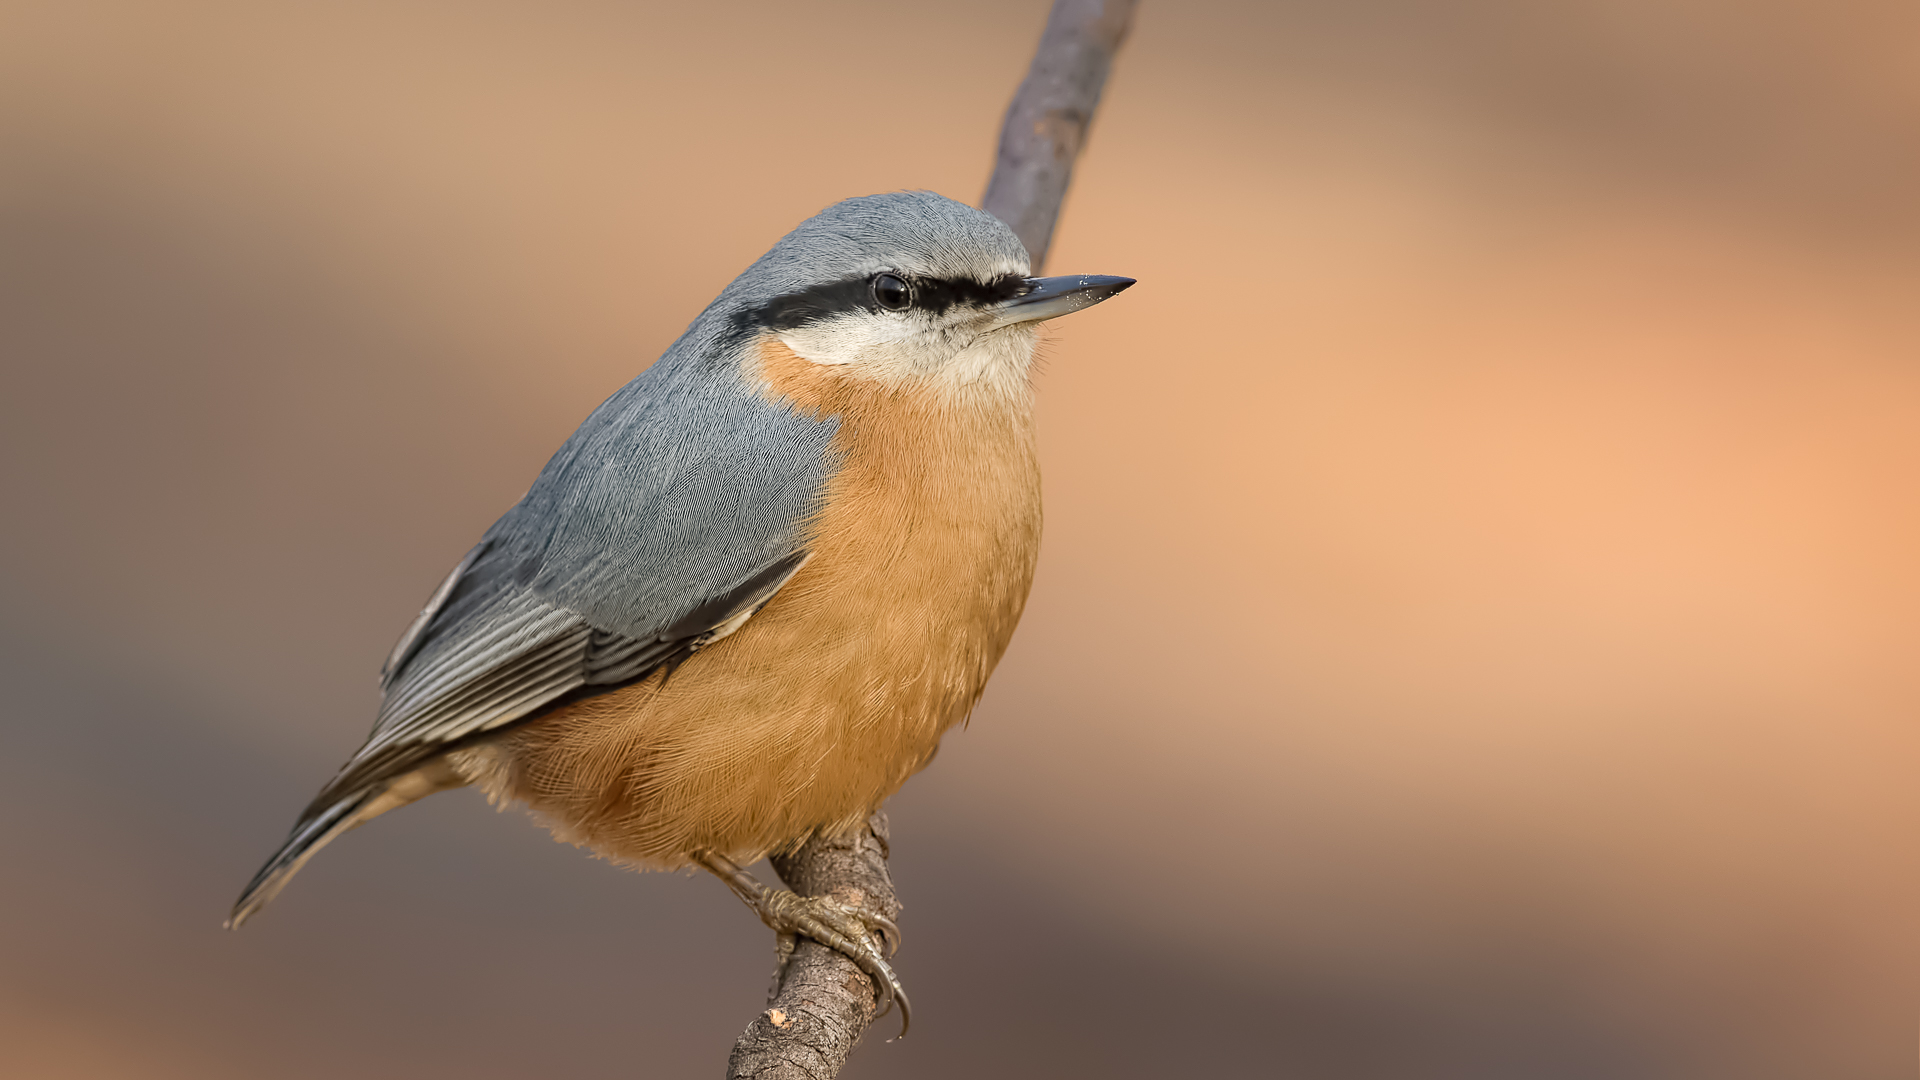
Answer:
(864, 936)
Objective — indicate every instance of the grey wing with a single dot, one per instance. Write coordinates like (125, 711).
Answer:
(677, 509)
(509, 658)
(674, 510)
(519, 654)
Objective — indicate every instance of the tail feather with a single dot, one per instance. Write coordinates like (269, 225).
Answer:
(317, 830)
(308, 837)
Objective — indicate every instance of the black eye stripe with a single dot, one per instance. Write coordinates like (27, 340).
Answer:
(939, 294)
(932, 295)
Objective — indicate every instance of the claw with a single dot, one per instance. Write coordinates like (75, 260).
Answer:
(881, 972)
(892, 991)
(847, 931)
(783, 946)
(867, 938)
(888, 929)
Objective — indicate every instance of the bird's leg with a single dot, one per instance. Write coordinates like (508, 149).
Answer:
(865, 937)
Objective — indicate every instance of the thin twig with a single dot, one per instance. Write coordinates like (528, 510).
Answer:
(824, 1002)
(1047, 123)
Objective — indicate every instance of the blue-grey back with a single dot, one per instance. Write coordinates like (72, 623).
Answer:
(681, 484)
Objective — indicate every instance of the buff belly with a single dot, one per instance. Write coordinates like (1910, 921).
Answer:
(826, 701)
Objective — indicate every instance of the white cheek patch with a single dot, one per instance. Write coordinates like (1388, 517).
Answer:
(845, 339)
(916, 349)
(887, 346)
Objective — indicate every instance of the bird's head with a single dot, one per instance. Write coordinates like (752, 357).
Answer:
(910, 288)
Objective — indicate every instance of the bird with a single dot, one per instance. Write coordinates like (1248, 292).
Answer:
(742, 603)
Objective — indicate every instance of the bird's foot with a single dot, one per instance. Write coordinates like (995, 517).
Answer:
(865, 937)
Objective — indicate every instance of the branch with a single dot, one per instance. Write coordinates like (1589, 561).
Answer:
(824, 1001)
(1048, 120)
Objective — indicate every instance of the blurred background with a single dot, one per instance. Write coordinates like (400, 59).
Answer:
(1476, 632)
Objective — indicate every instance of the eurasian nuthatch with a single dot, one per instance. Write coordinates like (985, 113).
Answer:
(742, 603)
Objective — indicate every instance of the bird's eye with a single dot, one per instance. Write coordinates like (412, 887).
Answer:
(890, 292)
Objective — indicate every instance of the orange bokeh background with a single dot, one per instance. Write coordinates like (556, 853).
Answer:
(1476, 629)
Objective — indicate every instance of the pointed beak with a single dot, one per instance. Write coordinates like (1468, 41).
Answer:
(1052, 297)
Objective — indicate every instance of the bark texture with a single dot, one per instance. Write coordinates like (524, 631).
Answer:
(1048, 120)
(824, 1002)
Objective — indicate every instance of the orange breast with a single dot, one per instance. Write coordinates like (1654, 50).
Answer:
(818, 708)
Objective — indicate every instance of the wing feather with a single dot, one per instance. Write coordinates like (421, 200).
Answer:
(410, 639)
(675, 511)
(533, 655)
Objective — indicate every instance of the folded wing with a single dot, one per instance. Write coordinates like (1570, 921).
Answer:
(676, 511)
